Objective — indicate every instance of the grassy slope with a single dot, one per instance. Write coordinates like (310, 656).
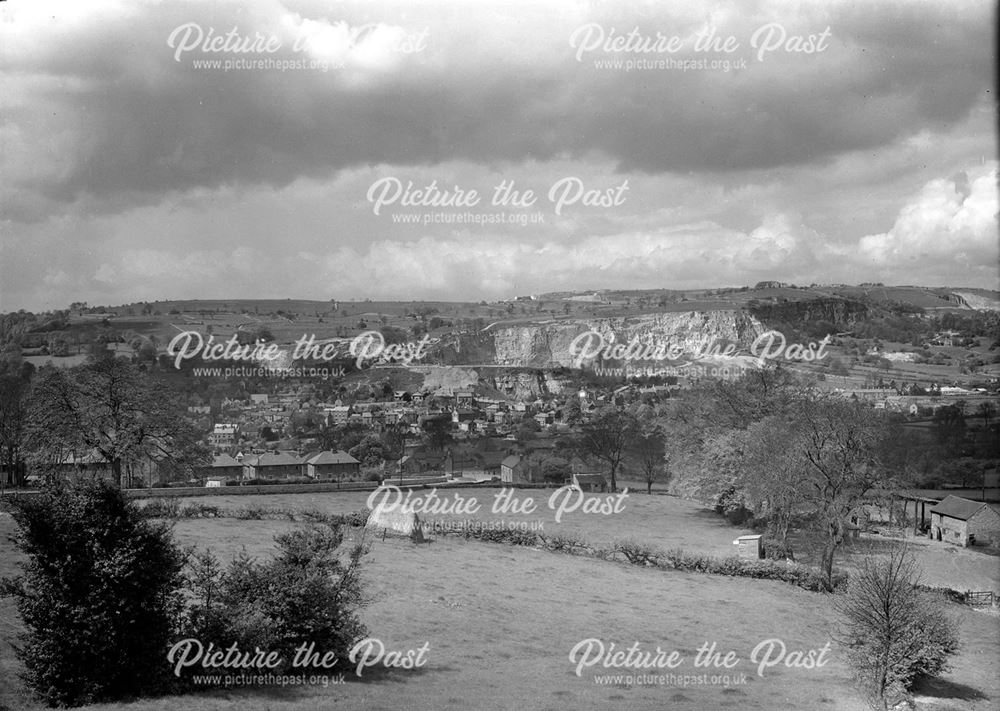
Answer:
(501, 621)
(664, 521)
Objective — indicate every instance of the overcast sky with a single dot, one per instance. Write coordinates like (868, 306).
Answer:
(133, 170)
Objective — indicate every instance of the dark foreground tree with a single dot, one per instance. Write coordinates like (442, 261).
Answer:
(894, 633)
(99, 595)
(309, 594)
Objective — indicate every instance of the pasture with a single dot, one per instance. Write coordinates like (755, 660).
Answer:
(500, 621)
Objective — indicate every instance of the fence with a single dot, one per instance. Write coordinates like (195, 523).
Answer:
(977, 599)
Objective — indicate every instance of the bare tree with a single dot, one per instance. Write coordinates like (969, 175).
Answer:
(606, 437)
(839, 444)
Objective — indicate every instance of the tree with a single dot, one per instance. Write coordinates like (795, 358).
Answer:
(650, 454)
(437, 431)
(894, 633)
(949, 428)
(572, 412)
(99, 595)
(607, 436)
(770, 474)
(14, 401)
(308, 594)
(369, 451)
(839, 443)
(555, 469)
(115, 409)
(394, 441)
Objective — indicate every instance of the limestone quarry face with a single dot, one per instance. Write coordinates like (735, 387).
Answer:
(549, 344)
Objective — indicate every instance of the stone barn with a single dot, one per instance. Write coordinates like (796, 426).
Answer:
(964, 522)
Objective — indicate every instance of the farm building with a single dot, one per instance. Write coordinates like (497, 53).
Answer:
(514, 470)
(964, 522)
(590, 482)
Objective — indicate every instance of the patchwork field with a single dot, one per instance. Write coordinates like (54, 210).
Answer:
(500, 623)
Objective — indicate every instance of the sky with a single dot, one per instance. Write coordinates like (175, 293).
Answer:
(463, 150)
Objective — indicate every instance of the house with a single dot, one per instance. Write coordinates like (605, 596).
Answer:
(335, 465)
(223, 466)
(338, 414)
(964, 522)
(544, 419)
(258, 398)
(275, 465)
(514, 470)
(223, 435)
(214, 482)
(420, 461)
(590, 482)
(91, 465)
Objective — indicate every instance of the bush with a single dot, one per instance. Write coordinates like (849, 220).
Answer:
(199, 510)
(895, 634)
(307, 594)
(637, 553)
(99, 595)
(777, 550)
(161, 508)
(566, 542)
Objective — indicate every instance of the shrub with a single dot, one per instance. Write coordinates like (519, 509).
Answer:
(199, 510)
(777, 550)
(99, 595)
(637, 553)
(309, 593)
(565, 542)
(161, 508)
(894, 633)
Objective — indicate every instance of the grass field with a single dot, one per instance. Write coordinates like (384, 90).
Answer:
(664, 521)
(500, 623)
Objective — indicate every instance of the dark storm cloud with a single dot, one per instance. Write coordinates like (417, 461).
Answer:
(118, 121)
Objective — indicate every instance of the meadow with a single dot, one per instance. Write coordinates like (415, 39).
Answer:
(500, 621)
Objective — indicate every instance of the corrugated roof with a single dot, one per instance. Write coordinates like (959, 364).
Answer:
(957, 507)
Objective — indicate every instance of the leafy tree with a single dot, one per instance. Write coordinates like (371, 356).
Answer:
(114, 408)
(437, 431)
(949, 428)
(370, 451)
(894, 633)
(555, 469)
(99, 595)
(650, 454)
(394, 441)
(572, 412)
(607, 436)
(15, 390)
(309, 593)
